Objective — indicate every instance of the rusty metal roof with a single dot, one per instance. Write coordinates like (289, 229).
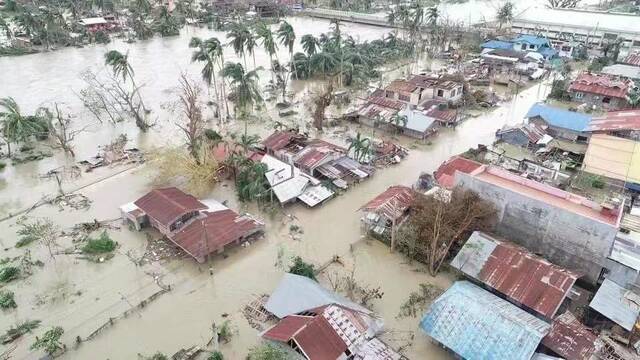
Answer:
(168, 204)
(388, 103)
(279, 140)
(512, 270)
(286, 328)
(213, 231)
(632, 59)
(392, 203)
(445, 174)
(570, 339)
(401, 86)
(600, 84)
(625, 120)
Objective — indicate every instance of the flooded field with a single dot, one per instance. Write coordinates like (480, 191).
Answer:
(81, 296)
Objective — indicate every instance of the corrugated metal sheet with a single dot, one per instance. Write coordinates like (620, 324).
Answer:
(401, 86)
(319, 340)
(168, 204)
(215, 230)
(476, 324)
(632, 59)
(570, 339)
(603, 85)
(613, 157)
(392, 203)
(445, 174)
(287, 182)
(626, 248)
(560, 118)
(617, 303)
(286, 328)
(279, 140)
(512, 270)
(626, 120)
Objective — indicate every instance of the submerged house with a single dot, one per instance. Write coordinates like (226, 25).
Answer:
(522, 277)
(476, 324)
(545, 219)
(386, 210)
(321, 325)
(523, 44)
(524, 135)
(560, 123)
(200, 228)
(599, 90)
(437, 88)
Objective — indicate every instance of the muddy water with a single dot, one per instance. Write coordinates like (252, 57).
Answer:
(81, 296)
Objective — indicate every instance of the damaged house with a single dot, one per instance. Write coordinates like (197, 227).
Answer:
(200, 228)
(600, 91)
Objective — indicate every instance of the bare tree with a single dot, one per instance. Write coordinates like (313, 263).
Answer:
(60, 127)
(436, 225)
(322, 102)
(111, 100)
(563, 3)
(193, 122)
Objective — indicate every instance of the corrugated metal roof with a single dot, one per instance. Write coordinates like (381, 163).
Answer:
(497, 44)
(279, 140)
(168, 204)
(296, 293)
(617, 303)
(573, 18)
(402, 86)
(616, 121)
(600, 84)
(417, 121)
(626, 249)
(531, 39)
(392, 203)
(287, 181)
(319, 341)
(444, 116)
(628, 71)
(560, 118)
(515, 272)
(215, 230)
(570, 339)
(632, 59)
(476, 324)
(286, 328)
(445, 174)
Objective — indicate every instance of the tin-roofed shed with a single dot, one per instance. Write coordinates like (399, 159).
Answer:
(618, 304)
(476, 324)
(523, 277)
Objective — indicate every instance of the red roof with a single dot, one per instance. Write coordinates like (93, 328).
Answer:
(600, 84)
(287, 328)
(313, 334)
(168, 204)
(445, 116)
(527, 278)
(388, 103)
(626, 120)
(211, 233)
(279, 140)
(445, 174)
(392, 203)
(570, 339)
(632, 59)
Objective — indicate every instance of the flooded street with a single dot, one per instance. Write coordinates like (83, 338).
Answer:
(81, 296)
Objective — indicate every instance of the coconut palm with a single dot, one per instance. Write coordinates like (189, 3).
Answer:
(399, 121)
(246, 91)
(17, 127)
(323, 62)
(238, 35)
(309, 44)
(250, 45)
(336, 36)
(206, 52)
(361, 147)
(166, 24)
(433, 14)
(287, 37)
(264, 33)
(119, 64)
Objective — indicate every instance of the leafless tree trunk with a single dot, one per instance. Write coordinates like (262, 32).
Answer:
(60, 130)
(193, 124)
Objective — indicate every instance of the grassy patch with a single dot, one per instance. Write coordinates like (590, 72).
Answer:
(418, 300)
(101, 245)
(18, 330)
(9, 273)
(7, 300)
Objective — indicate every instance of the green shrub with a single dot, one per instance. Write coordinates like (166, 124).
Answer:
(103, 244)
(267, 352)
(7, 300)
(9, 273)
(302, 268)
(216, 355)
(597, 183)
(2, 165)
(212, 135)
(50, 341)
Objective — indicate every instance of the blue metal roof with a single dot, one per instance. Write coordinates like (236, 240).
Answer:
(476, 324)
(560, 118)
(497, 44)
(532, 39)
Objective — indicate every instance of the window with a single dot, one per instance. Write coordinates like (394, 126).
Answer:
(440, 93)
(389, 94)
(582, 139)
(453, 92)
(532, 47)
(523, 47)
(606, 100)
(579, 95)
(566, 48)
(403, 97)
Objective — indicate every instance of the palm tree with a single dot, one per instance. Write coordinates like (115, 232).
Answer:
(287, 37)
(323, 62)
(250, 44)
(121, 67)
(206, 52)
(5, 27)
(166, 24)
(309, 44)
(505, 14)
(238, 35)
(303, 65)
(15, 126)
(263, 32)
(246, 91)
(399, 121)
(360, 146)
(337, 38)
(433, 14)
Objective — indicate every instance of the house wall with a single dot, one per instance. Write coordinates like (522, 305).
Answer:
(557, 132)
(567, 239)
(527, 47)
(597, 100)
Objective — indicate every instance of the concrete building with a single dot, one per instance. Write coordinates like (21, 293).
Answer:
(404, 91)
(567, 229)
(570, 24)
(600, 90)
(437, 88)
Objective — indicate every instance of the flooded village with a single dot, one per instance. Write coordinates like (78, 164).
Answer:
(366, 180)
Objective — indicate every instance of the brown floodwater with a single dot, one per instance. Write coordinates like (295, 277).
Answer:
(81, 296)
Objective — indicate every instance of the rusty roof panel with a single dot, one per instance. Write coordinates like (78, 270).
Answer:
(570, 339)
(520, 275)
(392, 203)
(625, 120)
(279, 140)
(632, 59)
(600, 84)
(167, 204)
